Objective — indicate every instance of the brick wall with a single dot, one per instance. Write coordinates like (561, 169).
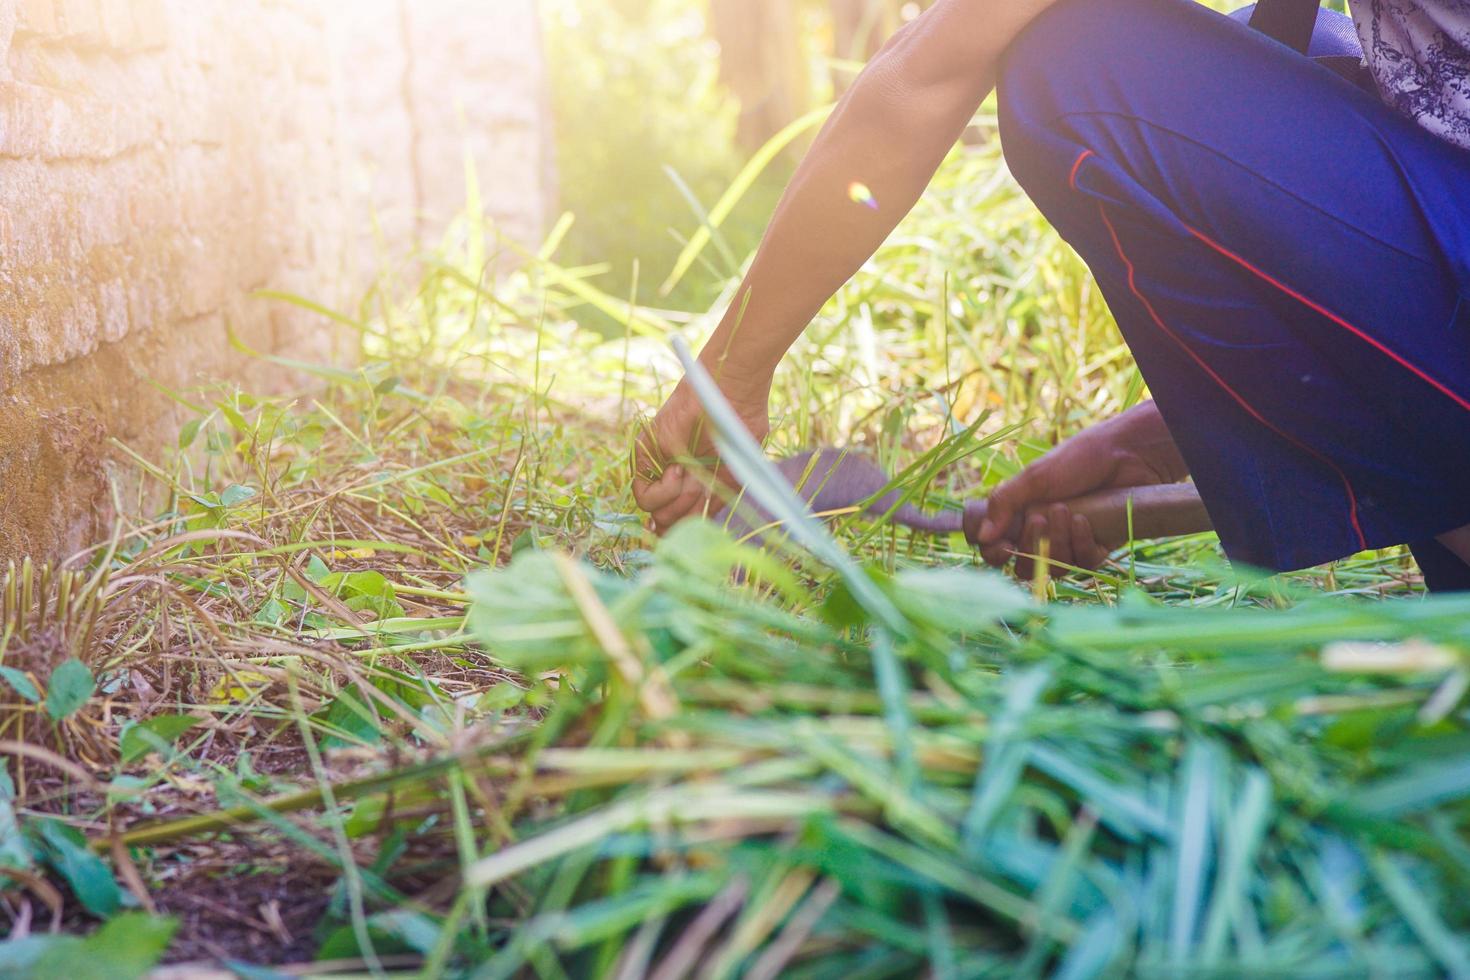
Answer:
(161, 159)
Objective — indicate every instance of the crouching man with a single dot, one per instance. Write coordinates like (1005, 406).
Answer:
(1284, 243)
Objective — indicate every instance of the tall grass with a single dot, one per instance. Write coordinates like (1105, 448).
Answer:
(397, 679)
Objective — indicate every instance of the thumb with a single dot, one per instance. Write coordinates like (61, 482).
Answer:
(1008, 503)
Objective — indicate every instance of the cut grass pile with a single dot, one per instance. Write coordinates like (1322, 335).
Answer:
(397, 682)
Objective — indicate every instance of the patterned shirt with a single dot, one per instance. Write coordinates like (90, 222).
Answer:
(1419, 52)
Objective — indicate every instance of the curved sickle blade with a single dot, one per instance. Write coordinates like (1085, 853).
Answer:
(836, 482)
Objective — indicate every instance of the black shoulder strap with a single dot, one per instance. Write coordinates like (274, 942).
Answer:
(1288, 21)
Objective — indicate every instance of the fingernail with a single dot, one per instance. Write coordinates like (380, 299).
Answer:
(677, 472)
(987, 529)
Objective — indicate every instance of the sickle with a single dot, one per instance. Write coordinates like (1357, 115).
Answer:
(836, 481)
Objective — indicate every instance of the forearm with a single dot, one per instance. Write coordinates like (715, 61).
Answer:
(819, 237)
(890, 133)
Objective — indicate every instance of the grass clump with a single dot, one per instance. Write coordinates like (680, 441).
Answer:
(395, 682)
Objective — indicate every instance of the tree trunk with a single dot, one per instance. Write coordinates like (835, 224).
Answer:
(762, 63)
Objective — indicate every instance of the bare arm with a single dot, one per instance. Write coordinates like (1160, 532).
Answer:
(890, 133)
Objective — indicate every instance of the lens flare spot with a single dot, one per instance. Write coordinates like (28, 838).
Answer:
(860, 194)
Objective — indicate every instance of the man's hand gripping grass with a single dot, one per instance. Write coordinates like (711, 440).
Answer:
(676, 469)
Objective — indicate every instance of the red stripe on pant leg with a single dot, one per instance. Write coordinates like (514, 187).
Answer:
(1214, 376)
(1072, 177)
(1397, 358)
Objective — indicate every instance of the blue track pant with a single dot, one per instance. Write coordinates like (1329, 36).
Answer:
(1287, 257)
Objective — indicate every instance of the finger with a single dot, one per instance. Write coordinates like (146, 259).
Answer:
(1059, 530)
(1035, 529)
(690, 501)
(998, 554)
(656, 495)
(1008, 503)
(1089, 553)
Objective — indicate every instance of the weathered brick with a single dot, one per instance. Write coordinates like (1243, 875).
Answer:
(161, 159)
(8, 15)
(151, 22)
(80, 21)
(38, 17)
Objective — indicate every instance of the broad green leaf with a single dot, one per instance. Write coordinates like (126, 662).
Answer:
(22, 684)
(232, 415)
(705, 550)
(90, 879)
(367, 814)
(271, 612)
(15, 850)
(127, 947)
(70, 686)
(419, 931)
(526, 615)
(342, 944)
(364, 583)
(134, 742)
(125, 788)
(349, 722)
(18, 957)
(189, 432)
(236, 494)
(501, 697)
(958, 599)
(365, 590)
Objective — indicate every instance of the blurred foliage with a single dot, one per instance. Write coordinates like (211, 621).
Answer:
(639, 110)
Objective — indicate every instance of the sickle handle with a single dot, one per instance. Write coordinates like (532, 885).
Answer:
(1161, 511)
